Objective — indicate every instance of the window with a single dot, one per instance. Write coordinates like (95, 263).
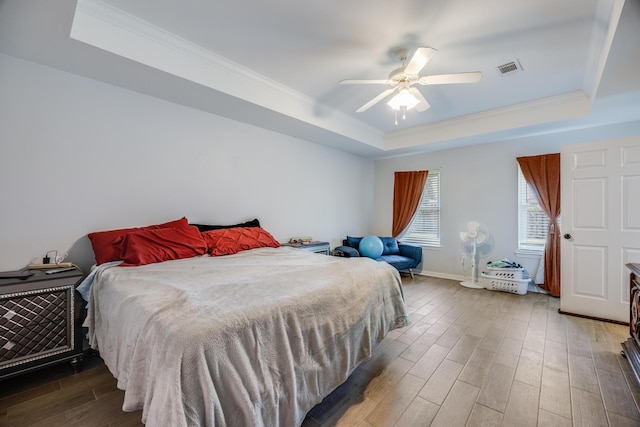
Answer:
(424, 229)
(533, 223)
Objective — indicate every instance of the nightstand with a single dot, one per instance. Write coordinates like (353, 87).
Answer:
(40, 322)
(318, 247)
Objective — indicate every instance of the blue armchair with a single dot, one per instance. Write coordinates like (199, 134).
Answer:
(402, 256)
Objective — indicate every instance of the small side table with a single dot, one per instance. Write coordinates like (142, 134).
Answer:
(39, 323)
(317, 247)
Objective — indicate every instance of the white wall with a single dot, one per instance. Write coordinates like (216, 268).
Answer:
(477, 183)
(77, 155)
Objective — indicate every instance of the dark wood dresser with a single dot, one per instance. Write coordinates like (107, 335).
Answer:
(631, 347)
(40, 322)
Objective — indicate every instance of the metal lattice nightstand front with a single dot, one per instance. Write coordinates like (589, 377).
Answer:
(37, 322)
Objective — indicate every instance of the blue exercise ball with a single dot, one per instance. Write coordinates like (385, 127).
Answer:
(371, 246)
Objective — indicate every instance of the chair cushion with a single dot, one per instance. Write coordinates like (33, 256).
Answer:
(399, 262)
(390, 246)
(353, 242)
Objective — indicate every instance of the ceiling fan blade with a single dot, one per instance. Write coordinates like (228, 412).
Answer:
(423, 105)
(365, 82)
(443, 79)
(375, 100)
(419, 60)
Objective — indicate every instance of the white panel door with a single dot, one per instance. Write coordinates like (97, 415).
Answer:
(600, 210)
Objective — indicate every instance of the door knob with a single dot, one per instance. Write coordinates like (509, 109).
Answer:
(567, 236)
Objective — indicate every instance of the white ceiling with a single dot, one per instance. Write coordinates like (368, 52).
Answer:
(277, 64)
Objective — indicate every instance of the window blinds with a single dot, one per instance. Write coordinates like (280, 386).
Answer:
(533, 223)
(424, 229)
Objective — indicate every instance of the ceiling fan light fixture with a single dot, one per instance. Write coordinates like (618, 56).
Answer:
(403, 99)
(402, 79)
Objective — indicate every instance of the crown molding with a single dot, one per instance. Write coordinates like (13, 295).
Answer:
(606, 20)
(554, 108)
(113, 19)
(101, 25)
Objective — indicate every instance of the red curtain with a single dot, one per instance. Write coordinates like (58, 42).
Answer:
(407, 190)
(542, 173)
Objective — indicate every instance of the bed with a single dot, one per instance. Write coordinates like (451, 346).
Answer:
(254, 338)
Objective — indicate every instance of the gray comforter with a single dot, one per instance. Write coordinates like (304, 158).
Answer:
(252, 339)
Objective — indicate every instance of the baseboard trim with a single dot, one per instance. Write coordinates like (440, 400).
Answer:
(584, 316)
(439, 275)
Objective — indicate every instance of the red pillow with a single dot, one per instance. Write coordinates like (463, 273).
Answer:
(103, 242)
(233, 240)
(162, 244)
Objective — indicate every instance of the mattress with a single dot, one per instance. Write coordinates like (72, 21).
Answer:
(257, 338)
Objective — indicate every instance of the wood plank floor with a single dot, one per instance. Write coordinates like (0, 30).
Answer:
(469, 358)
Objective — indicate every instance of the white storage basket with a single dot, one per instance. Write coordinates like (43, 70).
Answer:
(505, 272)
(514, 286)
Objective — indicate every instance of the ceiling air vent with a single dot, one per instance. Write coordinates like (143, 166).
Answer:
(510, 67)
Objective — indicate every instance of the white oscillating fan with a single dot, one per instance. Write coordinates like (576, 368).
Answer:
(475, 244)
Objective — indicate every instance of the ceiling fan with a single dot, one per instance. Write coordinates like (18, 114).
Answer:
(402, 79)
